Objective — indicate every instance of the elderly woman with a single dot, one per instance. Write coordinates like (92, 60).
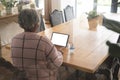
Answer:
(32, 53)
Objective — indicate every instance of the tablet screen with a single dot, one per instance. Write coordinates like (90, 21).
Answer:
(59, 39)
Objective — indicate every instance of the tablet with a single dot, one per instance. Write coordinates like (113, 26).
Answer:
(59, 39)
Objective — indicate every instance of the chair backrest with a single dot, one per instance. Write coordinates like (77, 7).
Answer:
(42, 25)
(68, 13)
(56, 17)
(111, 24)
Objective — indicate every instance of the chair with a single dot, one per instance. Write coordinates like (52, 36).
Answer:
(56, 17)
(68, 13)
(111, 24)
(42, 25)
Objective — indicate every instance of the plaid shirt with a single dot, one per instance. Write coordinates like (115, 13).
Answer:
(36, 55)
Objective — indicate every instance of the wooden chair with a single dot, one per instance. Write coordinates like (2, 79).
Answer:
(68, 13)
(56, 17)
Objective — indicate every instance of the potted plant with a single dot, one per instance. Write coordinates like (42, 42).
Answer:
(92, 19)
(8, 4)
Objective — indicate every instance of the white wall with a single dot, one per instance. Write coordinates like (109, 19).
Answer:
(64, 3)
(84, 6)
(56, 4)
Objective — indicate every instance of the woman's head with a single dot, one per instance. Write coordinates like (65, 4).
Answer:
(28, 19)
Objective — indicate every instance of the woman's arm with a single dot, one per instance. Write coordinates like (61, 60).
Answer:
(54, 57)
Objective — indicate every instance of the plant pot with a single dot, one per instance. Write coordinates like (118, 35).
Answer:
(93, 23)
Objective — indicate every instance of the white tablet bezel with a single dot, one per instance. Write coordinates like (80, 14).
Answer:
(60, 39)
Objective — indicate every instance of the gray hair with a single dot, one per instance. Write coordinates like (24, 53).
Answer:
(27, 19)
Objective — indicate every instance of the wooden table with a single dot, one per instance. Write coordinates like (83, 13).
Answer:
(8, 16)
(90, 48)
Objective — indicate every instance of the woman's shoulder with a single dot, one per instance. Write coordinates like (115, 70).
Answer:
(19, 35)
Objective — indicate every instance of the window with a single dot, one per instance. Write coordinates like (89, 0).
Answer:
(84, 6)
(104, 6)
(40, 4)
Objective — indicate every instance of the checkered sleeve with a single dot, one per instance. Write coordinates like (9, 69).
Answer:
(54, 56)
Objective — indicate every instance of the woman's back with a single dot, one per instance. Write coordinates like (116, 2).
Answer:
(36, 55)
